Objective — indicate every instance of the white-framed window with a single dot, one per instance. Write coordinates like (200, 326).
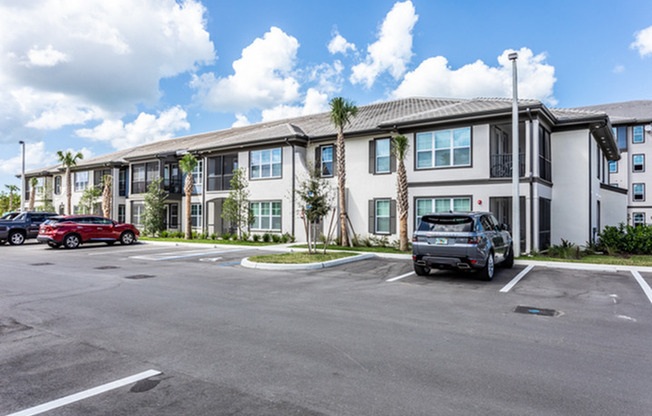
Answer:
(639, 191)
(613, 166)
(444, 148)
(195, 215)
(638, 218)
(638, 134)
(638, 163)
(57, 185)
(137, 211)
(326, 160)
(428, 205)
(267, 215)
(121, 213)
(382, 158)
(81, 181)
(265, 163)
(382, 216)
(198, 177)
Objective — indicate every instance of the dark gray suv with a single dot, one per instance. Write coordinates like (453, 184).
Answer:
(468, 241)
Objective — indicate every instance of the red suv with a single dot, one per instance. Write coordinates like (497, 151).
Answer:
(71, 231)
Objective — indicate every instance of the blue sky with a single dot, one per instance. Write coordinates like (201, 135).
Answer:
(99, 76)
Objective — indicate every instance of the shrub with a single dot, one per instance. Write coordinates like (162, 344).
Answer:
(267, 237)
(226, 236)
(276, 238)
(566, 250)
(203, 236)
(213, 236)
(626, 239)
(256, 237)
(284, 238)
(244, 237)
(289, 237)
(164, 234)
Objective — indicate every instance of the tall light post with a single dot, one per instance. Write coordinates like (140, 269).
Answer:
(22, 176)
(516, 165)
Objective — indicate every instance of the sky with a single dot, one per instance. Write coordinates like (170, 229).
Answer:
(99, 76)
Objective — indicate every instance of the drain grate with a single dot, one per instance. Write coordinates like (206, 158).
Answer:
(106, 267)
(41, 264)
(529, 310)
(139, 276)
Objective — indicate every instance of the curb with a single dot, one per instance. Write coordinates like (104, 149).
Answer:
(307, 266)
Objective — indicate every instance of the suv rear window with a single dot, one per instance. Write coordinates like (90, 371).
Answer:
(447, 223)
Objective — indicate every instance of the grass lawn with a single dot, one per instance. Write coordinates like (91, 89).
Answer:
(208, 241)
(633, 260)
(299, 257)
(363, 248)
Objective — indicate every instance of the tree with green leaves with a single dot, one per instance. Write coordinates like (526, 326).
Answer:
(400, 145)
(236, 207)
(89, 199)
(69, 160)
(315, 198)
(107, 196)
(154, 215)
(33, 182)
(342, 110)
(188, 164)
(12, 189)
(7, 201)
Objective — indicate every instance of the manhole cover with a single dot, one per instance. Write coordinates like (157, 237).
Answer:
(530, 310)
(139, 276)
(106, 267)
(41, 264)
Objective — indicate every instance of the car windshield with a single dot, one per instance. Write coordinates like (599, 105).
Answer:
(447, 223)
(21, 216)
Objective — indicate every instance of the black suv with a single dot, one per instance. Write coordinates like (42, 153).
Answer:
(462, 241)
(25, 225)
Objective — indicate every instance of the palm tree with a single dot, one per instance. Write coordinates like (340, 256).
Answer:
(32, 193)
(106, 196)
(399, 148)
(69, 160)
(12, 189)
(187, 164)
(342, 110)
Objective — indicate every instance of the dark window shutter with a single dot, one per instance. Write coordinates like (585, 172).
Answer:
(334, 160)
(372, 216)
(392, 162)
(318, 159)
(372, 156)
(392, 216)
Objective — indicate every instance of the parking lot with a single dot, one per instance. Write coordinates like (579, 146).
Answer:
(169, 330)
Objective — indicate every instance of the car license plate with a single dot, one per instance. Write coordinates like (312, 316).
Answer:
(441, 241)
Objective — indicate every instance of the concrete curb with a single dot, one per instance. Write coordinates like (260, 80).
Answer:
(308, 266)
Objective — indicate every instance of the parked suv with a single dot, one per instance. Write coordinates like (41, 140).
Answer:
(23, 226)
(71, 231)
(468, 241)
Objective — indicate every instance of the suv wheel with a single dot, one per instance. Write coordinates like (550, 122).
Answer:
(127, 238)
(421, 270)
(509, 259)
(71, 241)
(487, 273)
(16, 238)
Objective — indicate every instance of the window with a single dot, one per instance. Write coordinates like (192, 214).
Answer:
(382, 216)
(171, 179)
(142, 176)
(81, 181)
(382, 156)
(428, 205)
(325, 160)
(220, 172)
(122, 182)
(545, 155)
(613, 166)
(121, 213)
(620, 133)
(265, 163)
(639, 192)
(545, 222)
(638, 218)
(173, 213)
(57, 185)
(198, 177)
(98, 176)
(638, 163)
(137, 210)
(267, 215)
(195, 215)
(638, 135)
(444, 148)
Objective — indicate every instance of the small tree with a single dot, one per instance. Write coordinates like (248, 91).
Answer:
(69, 160)
(187, 165)
(399, 148)
(45, 195)
(236, 207)
(12, 190)
(89, 199)
(315, 197)
(154, 215)
(106, 196)
(33, 182)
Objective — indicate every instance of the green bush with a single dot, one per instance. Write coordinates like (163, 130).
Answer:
(226, 236)
(626, 239)
(284, 238)
(267, 237)
(164, 234)
(256, 237)
(244, 237)
(213, 236)
(565, 250)
(276, 238)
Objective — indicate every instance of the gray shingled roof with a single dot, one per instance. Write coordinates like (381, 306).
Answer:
(630, 112)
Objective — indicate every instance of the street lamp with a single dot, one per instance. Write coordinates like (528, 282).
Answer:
(516, 166)
(22, 176)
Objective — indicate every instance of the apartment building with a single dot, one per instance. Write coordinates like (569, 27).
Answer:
(460, 158)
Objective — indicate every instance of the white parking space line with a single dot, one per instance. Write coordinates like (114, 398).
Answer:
(515, 280)
(85, 394)
(126, 250)
(177, 256)
(393, 279)
(643, 284)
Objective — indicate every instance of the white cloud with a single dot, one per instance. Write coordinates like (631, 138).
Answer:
(339, 45)
(146, 128)
(36, 156)
(80, 60)
(618, 69)
(328, 76)
(393, 49)
(315, 102)
(643, 42)
(240, 121)
(262, 76)
(434, 77)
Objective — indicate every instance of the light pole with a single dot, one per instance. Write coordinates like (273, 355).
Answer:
(516, 166)
(22, 176)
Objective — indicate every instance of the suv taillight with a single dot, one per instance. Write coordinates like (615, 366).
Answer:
(474, 240)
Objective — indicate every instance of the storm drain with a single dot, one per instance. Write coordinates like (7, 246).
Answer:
(41, 264)
(140, 276)
(106, 267)
(529, 310)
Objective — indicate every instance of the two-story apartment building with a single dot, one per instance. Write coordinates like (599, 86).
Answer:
(459, 159)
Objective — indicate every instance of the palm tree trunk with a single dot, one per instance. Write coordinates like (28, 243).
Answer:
(106, 197)
(68, 192)
(32, 197)
(188, 190)
(341, 183)
(403, 205)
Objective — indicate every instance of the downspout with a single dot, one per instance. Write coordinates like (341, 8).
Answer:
(204, 211)
(590, 190)
(529, 114)
(287, 141)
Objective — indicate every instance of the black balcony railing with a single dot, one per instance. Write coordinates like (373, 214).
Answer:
(501, 165)
(172, 185)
